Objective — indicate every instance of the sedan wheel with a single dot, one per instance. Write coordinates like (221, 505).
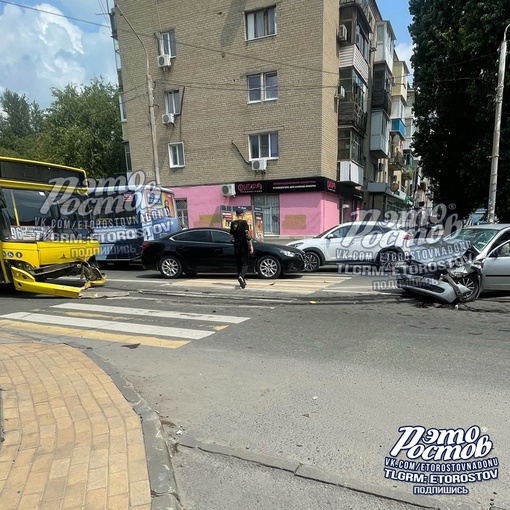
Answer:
(269, 267)
(170, 267)
(473, 285)
(312, 262)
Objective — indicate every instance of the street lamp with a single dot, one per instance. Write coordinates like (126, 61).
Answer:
(497, 128)
(150, 92)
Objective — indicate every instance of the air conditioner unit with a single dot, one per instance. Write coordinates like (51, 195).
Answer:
(341, 33)
(259, 165)
(168, 118)
(228, 190)
(164, 61)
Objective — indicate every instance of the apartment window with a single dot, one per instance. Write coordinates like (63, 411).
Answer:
(262, 87)
(350, 146)
(355, 88)
(167, 44)
(382, 81)
(176, 154)
(182, 212)
(261, 23)
(127, 155)
(362, 43)
(264, 146)
(173, 102)
(122, 107)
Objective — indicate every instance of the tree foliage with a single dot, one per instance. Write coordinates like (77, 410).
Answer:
(455, 65)
(20, 125)
(81, 128)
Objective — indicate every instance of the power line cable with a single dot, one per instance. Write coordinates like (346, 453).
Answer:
(54, 14)
(207, 48)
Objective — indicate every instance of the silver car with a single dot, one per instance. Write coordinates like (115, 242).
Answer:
(492, 244)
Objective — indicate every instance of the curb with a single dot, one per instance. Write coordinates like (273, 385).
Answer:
(159, 463)
(316, 474)
(1, 420)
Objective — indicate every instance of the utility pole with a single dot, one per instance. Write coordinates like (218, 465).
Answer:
(491, 211)
(150, 94)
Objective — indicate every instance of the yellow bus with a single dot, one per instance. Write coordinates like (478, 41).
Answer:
(44, 232)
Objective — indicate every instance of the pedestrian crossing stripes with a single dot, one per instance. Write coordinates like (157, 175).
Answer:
(81, 320)
(303, 285)
(167, 314)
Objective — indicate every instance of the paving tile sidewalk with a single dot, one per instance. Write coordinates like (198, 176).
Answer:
(71, 439)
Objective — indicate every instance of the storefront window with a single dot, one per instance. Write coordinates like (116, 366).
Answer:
(270, 205)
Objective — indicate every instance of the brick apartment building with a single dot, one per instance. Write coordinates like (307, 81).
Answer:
(285, 107)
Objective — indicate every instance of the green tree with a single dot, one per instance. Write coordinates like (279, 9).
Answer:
(20, 125)
(82, 128)
(455, 76)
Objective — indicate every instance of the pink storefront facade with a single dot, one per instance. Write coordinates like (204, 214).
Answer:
(292, 208)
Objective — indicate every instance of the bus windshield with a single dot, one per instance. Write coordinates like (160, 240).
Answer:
(33, 217)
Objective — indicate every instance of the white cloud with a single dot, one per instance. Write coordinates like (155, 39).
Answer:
(48, 50)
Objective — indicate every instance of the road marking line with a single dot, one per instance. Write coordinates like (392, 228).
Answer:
(126, 327)
(152, 313)
(351, 291)
(278, 287)
(60, 331)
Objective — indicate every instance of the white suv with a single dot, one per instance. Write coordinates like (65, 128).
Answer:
(359, 242)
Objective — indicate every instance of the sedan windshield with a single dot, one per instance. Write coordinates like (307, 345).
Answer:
(479, 238)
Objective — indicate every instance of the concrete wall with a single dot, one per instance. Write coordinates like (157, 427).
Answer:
(301, 214)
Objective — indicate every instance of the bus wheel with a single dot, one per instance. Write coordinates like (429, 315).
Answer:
(170, 267)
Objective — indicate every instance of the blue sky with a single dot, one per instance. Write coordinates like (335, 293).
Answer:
(41, 50)
(52, 48)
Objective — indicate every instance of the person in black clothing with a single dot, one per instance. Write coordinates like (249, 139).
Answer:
(243, 245)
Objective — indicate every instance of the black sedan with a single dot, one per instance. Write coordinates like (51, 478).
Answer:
(209, 250)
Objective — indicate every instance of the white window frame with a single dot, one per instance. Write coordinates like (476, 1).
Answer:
(173, 102)
(258, 23)
(272, 135)
(182, 212)
(179, 161)
(262, 87)
(167, 45)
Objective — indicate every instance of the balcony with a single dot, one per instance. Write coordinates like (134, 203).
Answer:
(396, 162)
(381, 100)
(379, 146)
(407, 172)
(398, 126)
(379, 141)
(350, 56)
(350, 172)
(351, 114)
(362, 5)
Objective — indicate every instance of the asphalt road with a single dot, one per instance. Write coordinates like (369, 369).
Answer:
(323, 379)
